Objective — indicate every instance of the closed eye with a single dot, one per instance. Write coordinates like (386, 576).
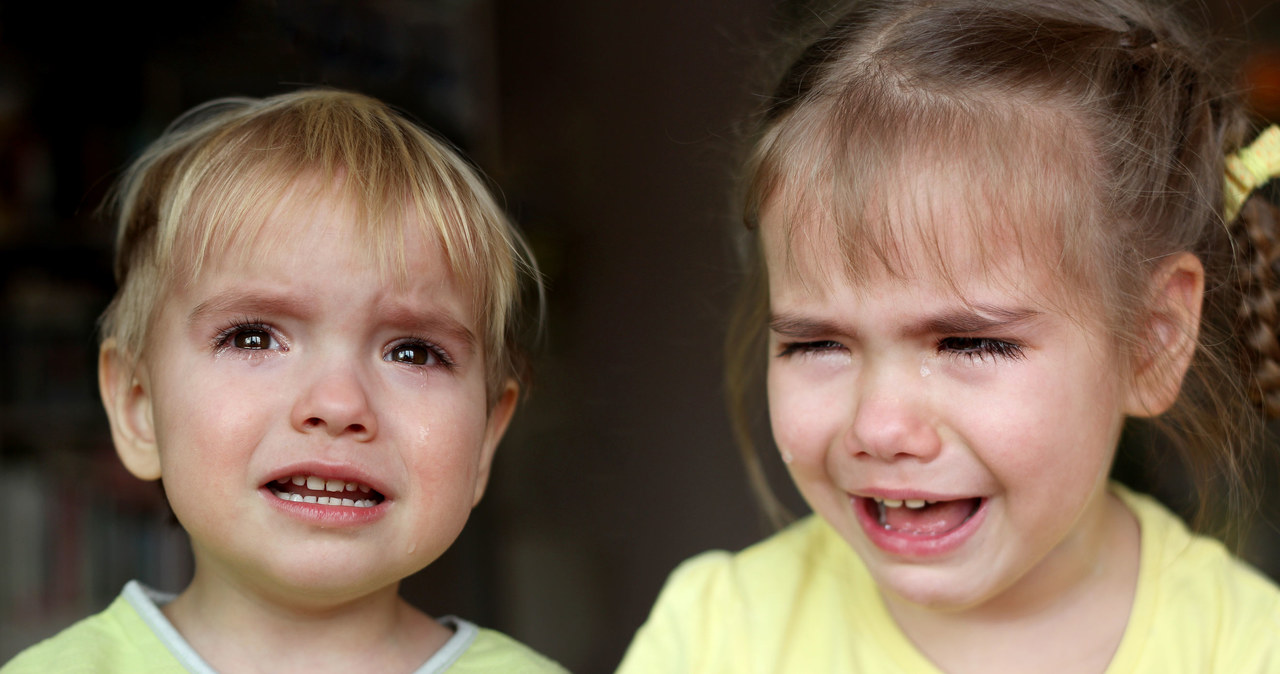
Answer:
(789, 349)
(980, 349)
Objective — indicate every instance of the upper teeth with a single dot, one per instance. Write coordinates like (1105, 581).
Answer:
(913, 503)
(320, 483)
(316, 483)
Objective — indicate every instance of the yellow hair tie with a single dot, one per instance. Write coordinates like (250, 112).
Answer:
(1250, 168)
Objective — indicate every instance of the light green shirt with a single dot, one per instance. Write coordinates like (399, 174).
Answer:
(133, 636)
(802, 601)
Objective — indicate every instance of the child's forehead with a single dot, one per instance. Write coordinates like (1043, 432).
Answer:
(287, 221)
(311, 259)
(944, 225)
(908, 214)
(894, 185)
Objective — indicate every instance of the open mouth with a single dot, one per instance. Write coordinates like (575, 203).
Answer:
(325, 491)
(919, 517)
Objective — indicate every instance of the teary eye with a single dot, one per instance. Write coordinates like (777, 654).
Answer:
(251, 338)
(416, 352)
(980, 348)
(247, 336)
(803, 348)
(411, 354)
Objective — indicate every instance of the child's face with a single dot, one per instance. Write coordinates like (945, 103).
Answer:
(985, 397)
(309, 366)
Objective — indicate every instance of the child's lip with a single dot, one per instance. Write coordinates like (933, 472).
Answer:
(913, 545)
(328, 515)
(910, 494)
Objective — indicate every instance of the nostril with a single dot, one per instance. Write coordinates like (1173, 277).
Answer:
(361, 425)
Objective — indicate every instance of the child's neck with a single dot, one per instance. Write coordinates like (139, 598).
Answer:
(237, 629)
(1069, 616)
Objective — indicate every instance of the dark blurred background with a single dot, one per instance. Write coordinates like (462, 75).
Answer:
(611, 128)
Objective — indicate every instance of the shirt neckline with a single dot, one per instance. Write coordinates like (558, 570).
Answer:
(147, 601)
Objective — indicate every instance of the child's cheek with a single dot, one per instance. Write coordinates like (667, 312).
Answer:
(805, 418)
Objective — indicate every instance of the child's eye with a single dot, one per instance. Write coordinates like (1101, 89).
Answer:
(803, 348)
(418, 353)
(246, 337)
(251, 339)
(980, 348)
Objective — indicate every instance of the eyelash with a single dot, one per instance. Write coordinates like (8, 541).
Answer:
(805, 348)
(976, 349)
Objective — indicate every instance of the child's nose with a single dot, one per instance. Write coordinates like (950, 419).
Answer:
(336, 403)
(892, 419)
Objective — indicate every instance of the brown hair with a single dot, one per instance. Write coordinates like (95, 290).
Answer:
(210, 182)
(1108, 114)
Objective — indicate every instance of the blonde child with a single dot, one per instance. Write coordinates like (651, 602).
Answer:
(991, 233)
(314, 346)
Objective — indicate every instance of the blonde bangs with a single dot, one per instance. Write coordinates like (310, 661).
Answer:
(878, 180)
(211, 185)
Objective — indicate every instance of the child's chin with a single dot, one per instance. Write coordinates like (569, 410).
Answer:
(325, 583)
(934, 589)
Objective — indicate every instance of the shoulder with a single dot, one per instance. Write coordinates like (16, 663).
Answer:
(1196, 567)
(722, 611)
(1197, 602)
(492, 652)
(766, 572)
(115, 640)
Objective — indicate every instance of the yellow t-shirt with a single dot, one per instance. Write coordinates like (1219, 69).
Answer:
(802, 601)
(132, 636)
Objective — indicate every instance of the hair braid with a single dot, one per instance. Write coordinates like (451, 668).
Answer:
(1258, 252)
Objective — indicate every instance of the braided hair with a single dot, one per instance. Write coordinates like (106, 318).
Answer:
(1255, 235)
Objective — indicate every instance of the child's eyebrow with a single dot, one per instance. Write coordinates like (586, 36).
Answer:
(432, 322)
(979, 318)
(797, 327)
(242, 302)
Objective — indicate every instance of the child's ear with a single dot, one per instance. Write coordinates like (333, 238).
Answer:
(1169, 338)
(128, 403)
(499, 416)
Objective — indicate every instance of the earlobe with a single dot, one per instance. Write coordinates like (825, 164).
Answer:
(127, 399)
(499, 417)
(1170, 336)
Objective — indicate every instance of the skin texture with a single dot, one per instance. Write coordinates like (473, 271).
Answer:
(310, 361)
(978, 384)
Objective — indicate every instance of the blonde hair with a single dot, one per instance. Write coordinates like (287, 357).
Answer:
(212, 179)
(1107, 116)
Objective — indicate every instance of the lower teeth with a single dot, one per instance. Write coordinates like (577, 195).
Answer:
(324, 500)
